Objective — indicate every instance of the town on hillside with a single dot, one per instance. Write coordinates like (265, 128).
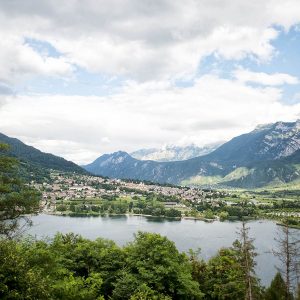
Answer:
(86, 195)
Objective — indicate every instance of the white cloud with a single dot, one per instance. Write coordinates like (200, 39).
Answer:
(243, 75)
(148, 44)
(142, 115)
(145, 40)
(18, 59)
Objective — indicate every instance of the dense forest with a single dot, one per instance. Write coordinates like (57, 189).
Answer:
(71, 267)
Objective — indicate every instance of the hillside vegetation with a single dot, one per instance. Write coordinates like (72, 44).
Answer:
(35, 163)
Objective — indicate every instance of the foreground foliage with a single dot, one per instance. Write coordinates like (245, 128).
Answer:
(71, 267)
(150, 267)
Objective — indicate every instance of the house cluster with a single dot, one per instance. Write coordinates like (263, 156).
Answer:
(285, 214)
(190, 194)
(72, 187)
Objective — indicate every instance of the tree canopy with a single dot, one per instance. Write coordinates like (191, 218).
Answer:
(16, 198)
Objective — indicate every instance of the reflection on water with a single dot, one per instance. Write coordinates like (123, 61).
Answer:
(187, 234)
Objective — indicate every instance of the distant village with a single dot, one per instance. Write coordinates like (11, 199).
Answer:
(66, 186)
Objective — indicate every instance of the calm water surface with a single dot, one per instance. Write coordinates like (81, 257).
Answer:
(187, 234)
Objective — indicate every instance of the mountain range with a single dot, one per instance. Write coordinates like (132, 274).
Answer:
(268, 155)
(174, 153)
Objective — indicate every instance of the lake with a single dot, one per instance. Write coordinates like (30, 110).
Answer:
(187, 234)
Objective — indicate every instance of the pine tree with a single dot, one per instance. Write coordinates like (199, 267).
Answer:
(277, 289)
(247, 256)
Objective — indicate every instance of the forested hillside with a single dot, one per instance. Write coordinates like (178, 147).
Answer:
(35, 162)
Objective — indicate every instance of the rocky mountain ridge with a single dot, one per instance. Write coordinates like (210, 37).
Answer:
(174, 153)
(254, 159)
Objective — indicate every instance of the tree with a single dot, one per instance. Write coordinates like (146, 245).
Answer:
(154, 260)
(223, 215)
(19, 277)
(32, 270)
(145, 293)
(173, 213)
(130, 206)
(223, 276)
(277, 289)
(198, 266)
(230, 274)
(247, 255)
(16, 199)
(80, 288)
(288, 253)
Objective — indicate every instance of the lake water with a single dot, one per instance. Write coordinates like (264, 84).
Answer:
(187, 234)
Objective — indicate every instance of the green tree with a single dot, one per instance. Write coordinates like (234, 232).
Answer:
(80, 288)
(230, 274)
(145, 293)
(84, 257)
(174, 213)
(32, 270)
(130, 206)
(247, 254)
(223, 215)
(16, 199)
(19, 278)
(154, 260)
(61, 207)
(208, 214)
(199, 266)
(277, 289)
(224, 276)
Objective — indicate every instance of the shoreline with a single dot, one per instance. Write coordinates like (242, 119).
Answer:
(61, 214)
(289, 225)
(256, 218)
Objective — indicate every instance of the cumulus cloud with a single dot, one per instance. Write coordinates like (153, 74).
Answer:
(264, 78)
(19, 60)
(143, 115)
(146, 40)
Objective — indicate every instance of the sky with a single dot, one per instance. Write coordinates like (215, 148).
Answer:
(82, 78)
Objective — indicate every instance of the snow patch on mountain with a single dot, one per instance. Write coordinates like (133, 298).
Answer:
(174, 153)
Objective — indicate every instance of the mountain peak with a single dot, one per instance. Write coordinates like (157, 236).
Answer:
(262, 127)
(120, 154)
(277, 125)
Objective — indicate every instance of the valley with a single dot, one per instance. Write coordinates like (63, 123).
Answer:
(253, 176)
(86, 195)
(253, 179)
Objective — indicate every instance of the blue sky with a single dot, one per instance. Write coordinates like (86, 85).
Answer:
(80, 79)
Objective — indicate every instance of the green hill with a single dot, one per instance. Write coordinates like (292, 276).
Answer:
(35, 163)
